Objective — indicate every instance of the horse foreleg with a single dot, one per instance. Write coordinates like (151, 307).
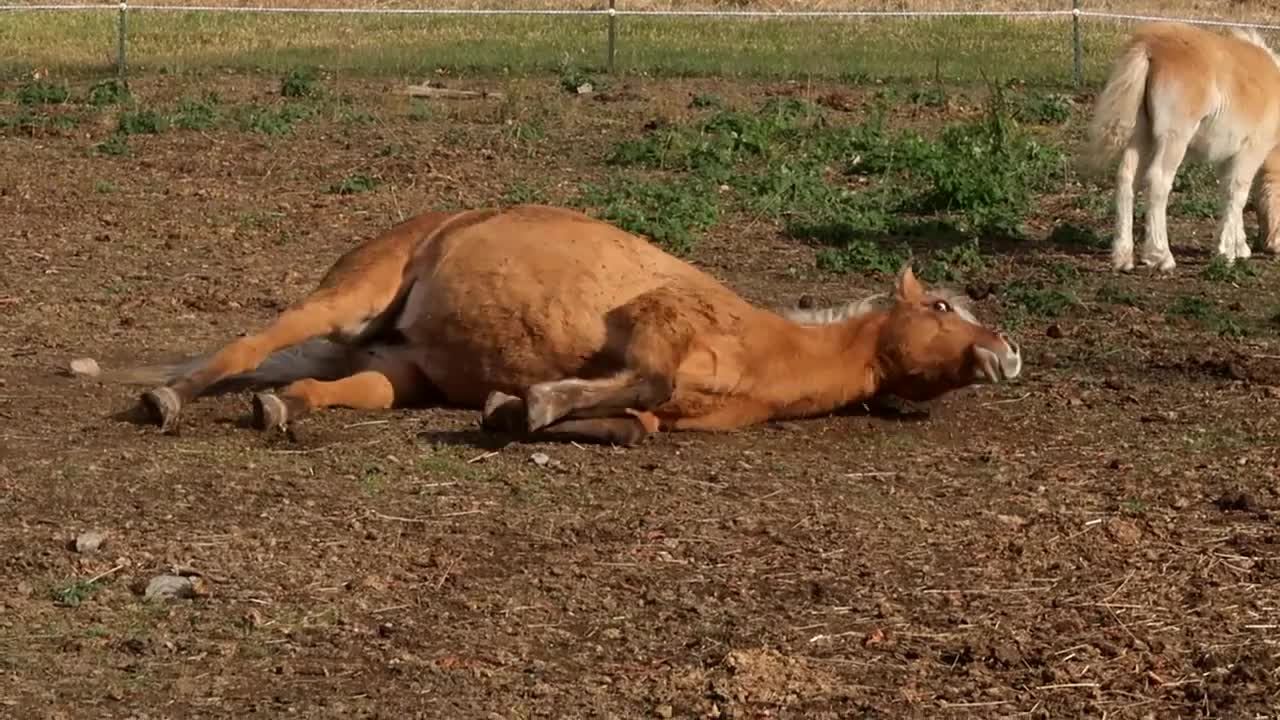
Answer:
(388, 381)
(507, 413)
(572, 398)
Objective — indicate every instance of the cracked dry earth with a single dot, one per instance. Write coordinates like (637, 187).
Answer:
(1099, 539)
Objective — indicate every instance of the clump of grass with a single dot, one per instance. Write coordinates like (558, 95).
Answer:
(109, 92)
(301, 82)
(273, 121)
(41, 92)
(1044, 302)
(1206, 314)
(1115, 295)
(74, 594)
(354, 184)
(863, 255)
(197, 113)
(1044, 108)
(1219, 270)
(141, 122)
(114, 146)
(672, 214)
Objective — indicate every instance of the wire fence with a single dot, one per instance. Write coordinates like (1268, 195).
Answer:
(611, 12)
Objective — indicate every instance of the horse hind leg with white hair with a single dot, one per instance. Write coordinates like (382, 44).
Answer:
(1126, 178)
(1236, 178)
(1168, 150)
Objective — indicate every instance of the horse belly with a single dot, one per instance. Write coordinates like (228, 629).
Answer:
(470, 342)
(1218, 138)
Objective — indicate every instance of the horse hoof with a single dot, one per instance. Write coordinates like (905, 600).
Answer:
(540, 409)
(502, 413)
(163, 406)
(269, 412)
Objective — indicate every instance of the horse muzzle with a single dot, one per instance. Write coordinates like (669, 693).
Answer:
(999, 362)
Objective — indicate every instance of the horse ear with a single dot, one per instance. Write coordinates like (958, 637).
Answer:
(907, 287)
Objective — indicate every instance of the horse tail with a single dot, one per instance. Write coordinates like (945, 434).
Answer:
(1117, 108)
(317, 358)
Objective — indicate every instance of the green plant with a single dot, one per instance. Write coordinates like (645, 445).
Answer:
(197, 114)
(279, 121)
(669, 213)
(1219, 270)
(109, 92)
(300, 83)
(352, 184)
(116, 145)
(40, 92)
(138, 122)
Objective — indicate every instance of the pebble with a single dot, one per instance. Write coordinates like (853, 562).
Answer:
(89, 541)
(540, 458)
(85, 367)
(163, 587)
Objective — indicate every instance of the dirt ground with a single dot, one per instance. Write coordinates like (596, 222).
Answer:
(1098, 539)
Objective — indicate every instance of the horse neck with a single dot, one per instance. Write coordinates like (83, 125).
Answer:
(816, 369)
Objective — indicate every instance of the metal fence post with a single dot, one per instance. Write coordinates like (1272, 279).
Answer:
(1077, 47)
(613, 34)
(121, 73)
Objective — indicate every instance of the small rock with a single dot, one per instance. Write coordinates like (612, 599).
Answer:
(1123, 531)
(89, 541)
(540, 458)
(1272, 391)
(1055, 332)
(664, 711)
(1235, 501)
(585, 89)
(85, 367)
(163, 587)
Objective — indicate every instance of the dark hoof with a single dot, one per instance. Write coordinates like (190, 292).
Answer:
(503, 413)
(270, 413)
(162, 406)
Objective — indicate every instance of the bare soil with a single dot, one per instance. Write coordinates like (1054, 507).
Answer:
(1097, 539)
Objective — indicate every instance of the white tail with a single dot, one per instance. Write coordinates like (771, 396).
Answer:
(316, 358)
(1115, 115)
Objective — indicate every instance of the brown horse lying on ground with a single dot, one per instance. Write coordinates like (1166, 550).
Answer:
(561, 326)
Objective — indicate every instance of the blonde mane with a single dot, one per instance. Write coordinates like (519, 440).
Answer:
(847, 311)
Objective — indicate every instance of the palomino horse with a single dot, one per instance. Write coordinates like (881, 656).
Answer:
(561, 326)
(1177, 90)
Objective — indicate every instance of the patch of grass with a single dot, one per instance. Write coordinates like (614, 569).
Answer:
(1219, 270)
(109, 92)
(197, 113)
(141, 122)
(1206, 314)
(1115, 295)
(863, 255)
(420, 111)
(354, 184)
(523, 194)
(954, 264)
(301, 82)
(672, 214)
(41, 92)
(74, 593)
(104, 186)
(705, 100)
(1044, 108)
(273, 121)
(114, 146)
(29, 122)
(1044, 302)
(1069, 235)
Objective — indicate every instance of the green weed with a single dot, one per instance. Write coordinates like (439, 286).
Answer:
(353, 184)
(1207, 315)
(141, 122)
(109, 92)
(672, 214)
(301, 82)
(197, 114)
(73, 594)
(40, 92)
(278, 121)
(1219, 270)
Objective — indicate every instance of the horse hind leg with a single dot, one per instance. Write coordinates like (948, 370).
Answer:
(1126, 178)
(1168, 150)
(344, 309)
(389, 378)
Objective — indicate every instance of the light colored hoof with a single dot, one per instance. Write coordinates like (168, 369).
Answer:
(270, 413)
(163, 407)
(1122, 262)
(502, 413)
(540, 408)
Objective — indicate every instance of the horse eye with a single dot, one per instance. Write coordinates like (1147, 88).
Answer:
(942, 306)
